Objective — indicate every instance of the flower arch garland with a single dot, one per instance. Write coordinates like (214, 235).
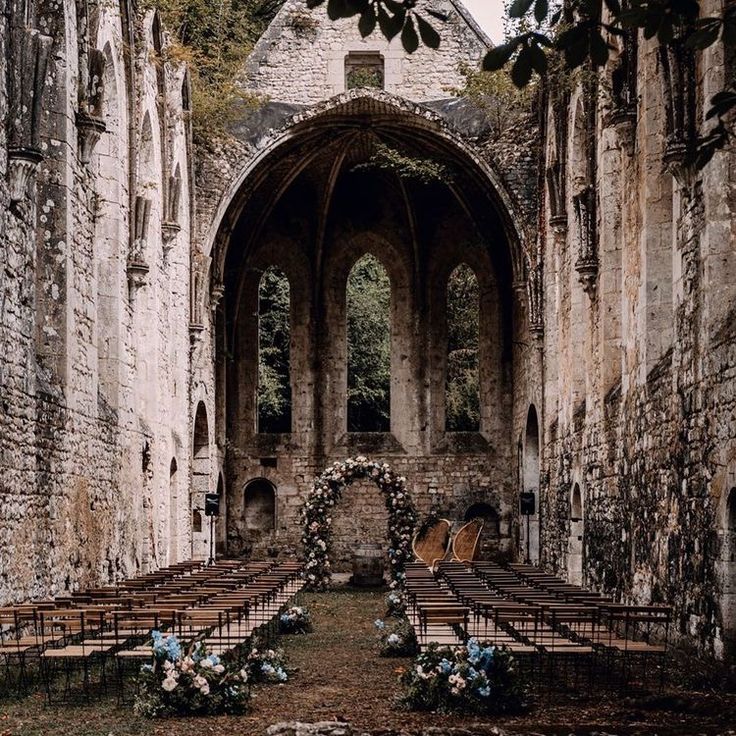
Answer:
(327, 490)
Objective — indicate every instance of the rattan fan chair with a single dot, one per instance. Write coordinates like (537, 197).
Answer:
(432, 547)
(465, 542)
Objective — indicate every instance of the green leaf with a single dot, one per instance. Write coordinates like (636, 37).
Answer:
(409, 38)
(598, 48)
(521, 71)
(429, 35)
(538, 60)
(367, 22)
(390, 25)
(498, 56)
(541, 8)
(520, 8)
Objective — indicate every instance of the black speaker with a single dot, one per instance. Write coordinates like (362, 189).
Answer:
(212, 504)
(526, 503)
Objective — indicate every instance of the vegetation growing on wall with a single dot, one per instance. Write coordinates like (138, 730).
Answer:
(214, 39)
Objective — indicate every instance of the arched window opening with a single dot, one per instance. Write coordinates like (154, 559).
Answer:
(462, 386)
(576, 505)
(488, 514)
(530, 484)
(173, 547)
(186, 104)
(575, 540)
(260, 506)
(196, 521)
(368, 298)
(274, 348)
(221, 521)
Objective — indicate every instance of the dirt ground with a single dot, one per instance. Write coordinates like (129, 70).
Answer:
(338, 675)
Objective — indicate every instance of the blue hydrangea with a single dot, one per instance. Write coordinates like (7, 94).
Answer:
(446, 666)
(484, 691)
(379, 624)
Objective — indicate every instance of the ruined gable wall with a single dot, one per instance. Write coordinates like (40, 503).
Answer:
(301, 57)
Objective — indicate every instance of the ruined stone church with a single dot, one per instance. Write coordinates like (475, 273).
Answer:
(129, 304)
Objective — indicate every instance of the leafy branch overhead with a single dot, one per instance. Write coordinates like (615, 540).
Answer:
(579, 31)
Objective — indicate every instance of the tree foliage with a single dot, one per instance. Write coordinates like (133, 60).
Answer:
(274, 341)
(462, 388)
(214, 39)
(369, 346)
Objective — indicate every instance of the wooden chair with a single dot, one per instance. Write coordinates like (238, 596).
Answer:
(432, 547)
(465, 543)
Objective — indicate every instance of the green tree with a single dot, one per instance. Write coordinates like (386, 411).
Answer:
(274, 341)
(462, 388)
(369, 346)
(214, 39)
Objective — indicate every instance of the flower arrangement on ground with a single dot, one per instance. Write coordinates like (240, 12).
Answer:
(295, 620)
(475, 678)
(398, 639)
(191, 682)
(396, 604)
(266, 665)
(317, 517)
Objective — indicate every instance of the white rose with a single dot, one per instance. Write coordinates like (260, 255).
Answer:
(169, 684)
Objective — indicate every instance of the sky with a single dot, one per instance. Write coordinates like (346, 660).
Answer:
(488, 13)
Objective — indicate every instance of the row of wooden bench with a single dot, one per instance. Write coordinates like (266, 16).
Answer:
(222, 605)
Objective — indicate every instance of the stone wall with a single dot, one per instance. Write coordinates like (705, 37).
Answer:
(639, 366)
(95, 378)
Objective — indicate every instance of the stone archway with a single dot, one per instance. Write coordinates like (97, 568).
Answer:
(326, 493)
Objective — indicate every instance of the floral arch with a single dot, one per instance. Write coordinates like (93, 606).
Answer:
(327, 490)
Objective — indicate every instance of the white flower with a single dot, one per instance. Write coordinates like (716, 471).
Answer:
(206, 663)
(169, 684)
(205, 689)
(219, 668)
(243, 675)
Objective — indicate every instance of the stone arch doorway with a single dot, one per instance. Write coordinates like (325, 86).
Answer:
(311, 202)
(259, 506)
(488, 544)
(530, 483)
(201, 469)
(575, 540)
(727, 565)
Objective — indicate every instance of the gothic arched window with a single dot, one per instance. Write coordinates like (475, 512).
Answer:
(369, 346)
(462, 385)
(274, 353)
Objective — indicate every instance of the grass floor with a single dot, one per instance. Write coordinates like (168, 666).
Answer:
(339, 676)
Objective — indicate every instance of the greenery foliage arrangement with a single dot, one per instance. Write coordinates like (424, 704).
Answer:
(397, 638)
(317, 517)
(295, 620)
(189, 683)
(475, 678)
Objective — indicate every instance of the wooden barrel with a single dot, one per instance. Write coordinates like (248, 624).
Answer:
(368, 564)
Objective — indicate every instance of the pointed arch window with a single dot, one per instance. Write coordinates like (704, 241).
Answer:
(368, 302)
(462, 385)
(274, 353)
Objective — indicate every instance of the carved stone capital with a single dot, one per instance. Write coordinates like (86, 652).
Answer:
(558, 223)
(169, 231)
(218, 291)
(137, 276)
(89, 130)
(587, 269)
(22, 165)
(623, 122)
